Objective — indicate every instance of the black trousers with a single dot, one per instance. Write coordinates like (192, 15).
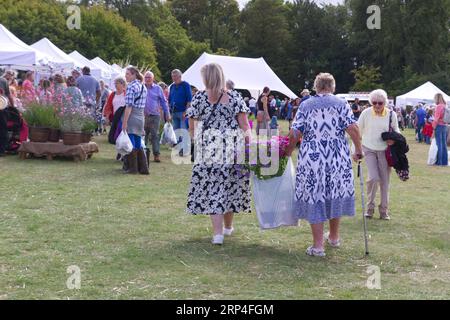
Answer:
(3, 131)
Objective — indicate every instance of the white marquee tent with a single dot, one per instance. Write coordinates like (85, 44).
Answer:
(59, 58)
(110, 72)
(96, 71)
(246, 73)
(425, 93)
(17, 54)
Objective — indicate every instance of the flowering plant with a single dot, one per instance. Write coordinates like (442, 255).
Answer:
(75, 119)
(74, 116)
(267, 159)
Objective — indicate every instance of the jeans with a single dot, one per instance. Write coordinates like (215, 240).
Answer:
(136, 141)
(427, 139)
(179, 123)
(3, 131)
(441, 141)
(152, 124)
(419, 131)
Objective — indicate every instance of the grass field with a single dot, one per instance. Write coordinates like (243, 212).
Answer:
(131, 239)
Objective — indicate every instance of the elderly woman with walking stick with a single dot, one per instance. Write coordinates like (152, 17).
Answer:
(372, 123)
(325, 189)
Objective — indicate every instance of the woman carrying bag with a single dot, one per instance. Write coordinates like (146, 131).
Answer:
(372, 123)
(133, 121)
(440, 130)
(218, 188)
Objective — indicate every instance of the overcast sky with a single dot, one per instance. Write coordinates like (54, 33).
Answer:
(243, 2)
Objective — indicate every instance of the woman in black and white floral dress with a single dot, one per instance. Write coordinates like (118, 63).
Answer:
(218, 124)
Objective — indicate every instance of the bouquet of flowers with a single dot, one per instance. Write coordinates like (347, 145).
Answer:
(267, 159)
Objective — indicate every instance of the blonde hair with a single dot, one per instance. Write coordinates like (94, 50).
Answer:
(439, 99)
(213, 77)
(379, 94)
(324, 82)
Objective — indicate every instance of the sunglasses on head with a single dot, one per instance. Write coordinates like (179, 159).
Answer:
(379, 103)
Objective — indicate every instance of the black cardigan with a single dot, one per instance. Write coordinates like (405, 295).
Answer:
(398, 150)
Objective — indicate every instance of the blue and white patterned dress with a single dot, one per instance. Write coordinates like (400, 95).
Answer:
(324, 184)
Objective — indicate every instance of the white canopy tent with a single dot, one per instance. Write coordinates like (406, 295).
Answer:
(425, 93)
(96, 71)
(110, 72)
(17, 54)
(59, 58)
(246, 73)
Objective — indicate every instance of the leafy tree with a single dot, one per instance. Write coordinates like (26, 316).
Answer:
(265, 34)
(212, 21)
(103, 32)
(319, 44)
(367, 78)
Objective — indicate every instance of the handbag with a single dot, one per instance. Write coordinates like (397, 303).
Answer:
(388, 152)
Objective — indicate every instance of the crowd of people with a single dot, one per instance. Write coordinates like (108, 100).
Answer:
(321, 123)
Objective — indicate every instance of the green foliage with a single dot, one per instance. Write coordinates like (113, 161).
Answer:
(367, 78)
(103, 32)
(412, 45)
(298, 39)
(265, 33)
(213, 21)
(41, 116)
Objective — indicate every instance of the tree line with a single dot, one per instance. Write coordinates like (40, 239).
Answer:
(298, 39)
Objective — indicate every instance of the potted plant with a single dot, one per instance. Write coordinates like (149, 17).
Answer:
(89, 127)
(73, 121)
(55, 129)
(40, 118)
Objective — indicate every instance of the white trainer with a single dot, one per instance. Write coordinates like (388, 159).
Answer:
(228, 232)
(218, 240)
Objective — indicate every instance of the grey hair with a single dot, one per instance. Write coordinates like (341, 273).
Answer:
(379, 94)
(121, 80)
(230, 85)
(150, 74)
(177, 72)
(324, 82)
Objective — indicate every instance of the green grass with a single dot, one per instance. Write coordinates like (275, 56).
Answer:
(132, 239)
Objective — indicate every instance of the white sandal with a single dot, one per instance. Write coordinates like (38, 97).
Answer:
(334, 244)
(313, 252)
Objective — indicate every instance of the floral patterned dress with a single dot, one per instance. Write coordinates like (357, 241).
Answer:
(324, 184)
(218, 186)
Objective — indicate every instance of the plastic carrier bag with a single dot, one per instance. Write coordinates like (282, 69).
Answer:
(123, 144)
(275, 200)
(168, 136)
(432, 153)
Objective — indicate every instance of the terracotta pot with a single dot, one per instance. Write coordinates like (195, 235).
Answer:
(54, 135)
(38, 134)
(86, 137)
(72, 138)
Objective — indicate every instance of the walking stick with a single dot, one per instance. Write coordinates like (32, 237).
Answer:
(361, 180)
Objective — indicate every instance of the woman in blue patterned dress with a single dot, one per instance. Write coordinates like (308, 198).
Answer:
(324, 185)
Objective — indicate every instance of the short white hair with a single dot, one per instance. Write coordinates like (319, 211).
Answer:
(324, 83)
(121, 80)
(378, 95)
(177, 72)
(149, 73)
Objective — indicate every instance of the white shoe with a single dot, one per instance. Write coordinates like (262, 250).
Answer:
(228, 232)
(218, 240)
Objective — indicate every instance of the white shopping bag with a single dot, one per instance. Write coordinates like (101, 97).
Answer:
(168, 136)
(123, 144)
(275, 200)
(432, 154)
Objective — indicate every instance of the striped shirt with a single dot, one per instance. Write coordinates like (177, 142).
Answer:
(134, 98)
